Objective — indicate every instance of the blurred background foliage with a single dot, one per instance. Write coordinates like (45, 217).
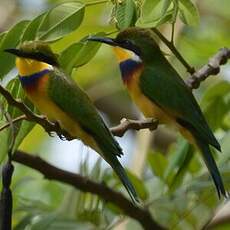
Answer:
(173, 182)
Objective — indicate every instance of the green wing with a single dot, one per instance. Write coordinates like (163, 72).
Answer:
(162, 84)
(71, 99)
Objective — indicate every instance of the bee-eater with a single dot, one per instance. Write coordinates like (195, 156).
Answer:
(158, 90)
(63, 101)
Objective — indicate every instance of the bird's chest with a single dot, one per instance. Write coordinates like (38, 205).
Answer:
(37, 94)
(148, 107)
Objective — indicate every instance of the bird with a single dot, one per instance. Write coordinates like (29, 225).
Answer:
(159, 92)
(62, 101)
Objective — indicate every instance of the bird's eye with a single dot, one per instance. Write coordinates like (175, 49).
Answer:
(127, 42)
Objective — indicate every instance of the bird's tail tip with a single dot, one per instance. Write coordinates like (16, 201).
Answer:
(213, 169)
(127, 184)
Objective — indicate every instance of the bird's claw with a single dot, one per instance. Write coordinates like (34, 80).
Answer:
(51, 133)
(62, 137)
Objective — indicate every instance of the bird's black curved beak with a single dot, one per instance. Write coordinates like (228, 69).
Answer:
(34, 55)
(109, 41)
(113, 42)
(14, 51)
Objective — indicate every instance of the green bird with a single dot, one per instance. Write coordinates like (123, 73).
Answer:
(59, 98)
(158, 90)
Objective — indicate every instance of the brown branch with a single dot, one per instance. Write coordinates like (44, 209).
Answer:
(86, 185)
(127, 124)
(212, 68)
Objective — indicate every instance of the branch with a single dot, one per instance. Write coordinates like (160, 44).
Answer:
(212, 68)
(15, 120)
(171, 46)
(86, 185)
(126, 124)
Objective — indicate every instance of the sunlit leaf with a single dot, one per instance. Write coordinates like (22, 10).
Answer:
(32, 28)
(165, 7)
(60, 21)
(78, 54)
(10, 40)
(155, 13)
(126, 14)
(188, 12)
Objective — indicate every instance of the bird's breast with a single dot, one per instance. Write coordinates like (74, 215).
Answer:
(148, 107)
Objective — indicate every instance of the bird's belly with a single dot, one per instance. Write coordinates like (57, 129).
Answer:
(55, 114)
(148, 107)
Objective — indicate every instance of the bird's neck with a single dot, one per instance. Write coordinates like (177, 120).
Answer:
(28, 67)
(31, 73)
(129, 63)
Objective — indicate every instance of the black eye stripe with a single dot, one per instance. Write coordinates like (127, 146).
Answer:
(127, 44)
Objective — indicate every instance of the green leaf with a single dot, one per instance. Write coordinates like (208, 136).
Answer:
(155, 13)
(126, 14)
(32, 29)
(216, 103)
(78, 54)
(166, 5)
(178, 162)
(10, 40)
(188, 12)
(149, 6)
(60, 21)
(158, 163)
(183, 168)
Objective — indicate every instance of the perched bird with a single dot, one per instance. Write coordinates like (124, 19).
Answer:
(59, 98)
(158, 90)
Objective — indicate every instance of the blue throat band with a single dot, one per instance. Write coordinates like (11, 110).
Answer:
(127, 67)
(31, 79)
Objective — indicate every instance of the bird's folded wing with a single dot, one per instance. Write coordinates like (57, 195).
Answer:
(75, 102)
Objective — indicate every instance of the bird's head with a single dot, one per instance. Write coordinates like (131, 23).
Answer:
(137, 40)
(35, 50)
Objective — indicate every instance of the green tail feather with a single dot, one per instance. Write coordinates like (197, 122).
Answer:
(126, 182)
(212, 167)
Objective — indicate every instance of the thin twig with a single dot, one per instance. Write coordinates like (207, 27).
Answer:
(171, 46)
(15, 120)
(86, 185)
